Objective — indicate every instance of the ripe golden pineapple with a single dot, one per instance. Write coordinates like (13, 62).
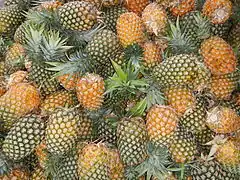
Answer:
(222, 86)
(161, 122)
(15, 58)
(155, 19)
(58, 99)
(78, 15)
(16, 174)
(61, 130)
(68, 81)
(136, 6)
(218, 56)
(18, 101)
(218, 11)
(17, 77)
(223, 120)
(92, 162)
(38, 174)
(49, 5)
(134, 132)
(90, 91)
(179, 98)
(183, 7)
(152, 54)
(130, 29)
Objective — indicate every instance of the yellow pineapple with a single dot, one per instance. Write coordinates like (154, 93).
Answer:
(68, 81)
(17, 77)
(16, 174)
(218, 56)
(90, 91)
(136, 6)
(130, 29)
(155, 19)
(183, 7)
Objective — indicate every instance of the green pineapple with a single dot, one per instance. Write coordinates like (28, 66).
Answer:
(78, 15)
(85, 128)
(17, 2)
(111, 15)
(10, 18)
(221, 30)
(44, 47)
(19, 35)
(183, 148)
(23, 137)
(62, 130)
(132, 140)
(194, 118)
(234, 38)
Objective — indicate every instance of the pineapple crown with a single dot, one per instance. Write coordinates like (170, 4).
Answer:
(178, 42)
(44, 45)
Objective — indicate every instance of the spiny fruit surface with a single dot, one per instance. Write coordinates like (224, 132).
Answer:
(10, 18)
(183, 7)
(130, 29)
(218, 11)
(136, 6)
(223, 120)
(18, 101)
(111, 14)
(68, 81)
(103, 47)
(38, 174)
(23, 137)
(218, 56)
(49, 5)
(78, 15)
(161, 122)
(17, 77)
(61, 130)
(16, 174)
(42, 154)
(222, 86)
(152, 54)
(132, 140)
(85, 128)
(19, 35)
(234, 37)
(179, 98)
(183, 147)
(90, 91)
(92, 162)
(155, 19)
(194, 119)
(58, 99)
(115, 164)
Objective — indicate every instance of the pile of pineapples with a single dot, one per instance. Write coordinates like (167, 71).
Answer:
(120, 89)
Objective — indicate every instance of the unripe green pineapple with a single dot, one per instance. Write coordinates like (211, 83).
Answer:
(183, 148)
(132, 140)
(194, 119)
(103, 47)
(182, 69)
(221, 30)
(61, 130)
(78, 15)
(23, 137)
(111, 15)
(10, 18)
(19, 35)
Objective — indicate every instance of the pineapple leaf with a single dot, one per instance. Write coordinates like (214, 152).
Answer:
(138, 109)
(121, 74)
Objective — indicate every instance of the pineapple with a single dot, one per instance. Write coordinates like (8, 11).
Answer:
(16, 174)
(136, 6)
(49, 5)
(61, 130)
(58, 99)
(41, 48)
(68, 81)
(161, 122)
(42, 154)
(179, 98)
(111, 14)
(154, 19)
(218, 11)
(222, 86)
(23, 137)
(38, 174)
(228, 154)
(19, 35)
(18, 101)
(115, 165)
(90, 91)
(78, 15)
(105, 3)
(103, 47)
(183, 7)
(182, 69)
(152, 54)
(132, 140)
(10, 18)
(233, 37)
(17, 77)
(223, 120)
(218, 56)
(183, 148)
(92, 162)
(85, 128)
(130, 29)
(15, 56)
